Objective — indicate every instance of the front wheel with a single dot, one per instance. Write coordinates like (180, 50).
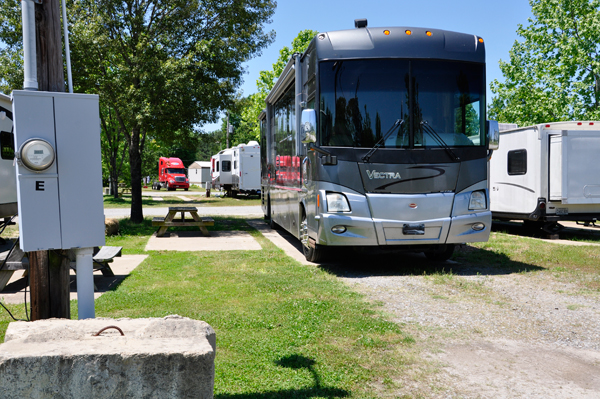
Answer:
(441, 254)
(311, 254)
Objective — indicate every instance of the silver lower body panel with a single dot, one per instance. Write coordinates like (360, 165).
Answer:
(362, 231)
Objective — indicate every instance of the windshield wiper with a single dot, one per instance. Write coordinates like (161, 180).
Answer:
(368, 155)
(428, 129)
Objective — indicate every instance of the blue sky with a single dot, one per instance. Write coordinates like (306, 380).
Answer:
(495, 21)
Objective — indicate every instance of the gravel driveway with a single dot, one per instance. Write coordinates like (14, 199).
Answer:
(490, 334)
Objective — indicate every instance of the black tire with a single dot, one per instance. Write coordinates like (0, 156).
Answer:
(442, 254)
(185, 189)
(311, 254)
(268, 213)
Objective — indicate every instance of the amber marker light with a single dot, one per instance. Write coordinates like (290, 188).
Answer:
(480, 40)
(408, 32)
(428, 33)
(386, 32)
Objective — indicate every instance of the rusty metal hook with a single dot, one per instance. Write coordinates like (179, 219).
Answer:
(106, 328)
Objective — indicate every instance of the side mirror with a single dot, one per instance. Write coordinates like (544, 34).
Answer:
(309, 125)
(493, 133)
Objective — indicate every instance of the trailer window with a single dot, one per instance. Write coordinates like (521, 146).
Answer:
(517, 162)
(226, 167)
(7, 144)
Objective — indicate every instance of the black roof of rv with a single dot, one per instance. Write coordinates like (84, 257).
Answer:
(399, 42)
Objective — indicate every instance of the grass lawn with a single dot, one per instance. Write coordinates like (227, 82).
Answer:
(198, 200)
(283, 329)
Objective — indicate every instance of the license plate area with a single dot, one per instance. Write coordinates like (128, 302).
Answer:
(413, 229)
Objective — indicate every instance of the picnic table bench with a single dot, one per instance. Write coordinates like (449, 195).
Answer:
(18, 261)
(170, 221)
(15, 261)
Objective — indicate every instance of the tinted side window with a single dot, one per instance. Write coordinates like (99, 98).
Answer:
(226, 167)
(517, 162)
(7, 145)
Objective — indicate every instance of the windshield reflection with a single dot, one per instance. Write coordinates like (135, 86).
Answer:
(358, 97)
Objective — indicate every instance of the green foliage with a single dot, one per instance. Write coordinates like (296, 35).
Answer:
(11, 46)
(252, 106)
(554, 73)
(160, 66)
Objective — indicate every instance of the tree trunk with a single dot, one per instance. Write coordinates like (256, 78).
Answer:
(135, 164)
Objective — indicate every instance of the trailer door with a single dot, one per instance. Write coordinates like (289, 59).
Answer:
(580, 171)
(555, 167)
(250, 173)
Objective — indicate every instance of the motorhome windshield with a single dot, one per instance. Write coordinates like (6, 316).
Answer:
(441, 102)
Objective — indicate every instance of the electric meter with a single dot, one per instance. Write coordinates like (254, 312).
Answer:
(36, 155)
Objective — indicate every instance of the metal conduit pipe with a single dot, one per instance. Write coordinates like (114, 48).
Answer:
(29, 52)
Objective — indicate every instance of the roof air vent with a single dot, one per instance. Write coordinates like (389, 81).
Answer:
(360, 23)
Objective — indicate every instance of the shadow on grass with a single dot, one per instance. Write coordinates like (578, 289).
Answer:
(466, 261)
(567, 233)
(126, 227)
(294, 362)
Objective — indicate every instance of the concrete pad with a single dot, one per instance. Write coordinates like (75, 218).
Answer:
(170, 357)
(157, 199)
(195, 241)
(282, 239)
(14, 292)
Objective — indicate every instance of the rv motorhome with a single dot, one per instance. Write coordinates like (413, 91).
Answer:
(376, 138)
(547, 173)
(221, 170)
(246, 169)
(8, 176)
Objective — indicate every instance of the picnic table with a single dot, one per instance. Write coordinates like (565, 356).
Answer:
(122, 189)
(170, 221)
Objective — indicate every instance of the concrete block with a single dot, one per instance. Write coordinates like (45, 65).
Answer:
(170, 357)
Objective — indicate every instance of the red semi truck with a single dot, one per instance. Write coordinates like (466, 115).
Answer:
(171, 175)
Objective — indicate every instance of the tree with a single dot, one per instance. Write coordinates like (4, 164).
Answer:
(554, 73)
(113, 146)
(164, 66)
(11, 46)
(255, 103)
(161, 66)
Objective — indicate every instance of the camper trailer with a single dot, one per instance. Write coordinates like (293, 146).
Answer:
(547, 173)
(221, 170)
(8, 177)
(246, 169)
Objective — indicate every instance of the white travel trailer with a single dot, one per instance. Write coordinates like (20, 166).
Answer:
(8, 177)
(221, 170)
(246, 169)
(546, 173)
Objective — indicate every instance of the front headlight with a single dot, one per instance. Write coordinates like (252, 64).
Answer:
(171, 181)
(337, 202)
(477, 201)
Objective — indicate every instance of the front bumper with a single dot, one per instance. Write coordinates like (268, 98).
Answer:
(362, 231)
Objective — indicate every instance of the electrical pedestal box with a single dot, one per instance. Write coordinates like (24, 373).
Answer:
(59, 170)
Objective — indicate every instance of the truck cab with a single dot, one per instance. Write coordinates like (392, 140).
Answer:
(171, 175)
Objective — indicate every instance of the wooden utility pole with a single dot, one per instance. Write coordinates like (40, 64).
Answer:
(49, 270)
